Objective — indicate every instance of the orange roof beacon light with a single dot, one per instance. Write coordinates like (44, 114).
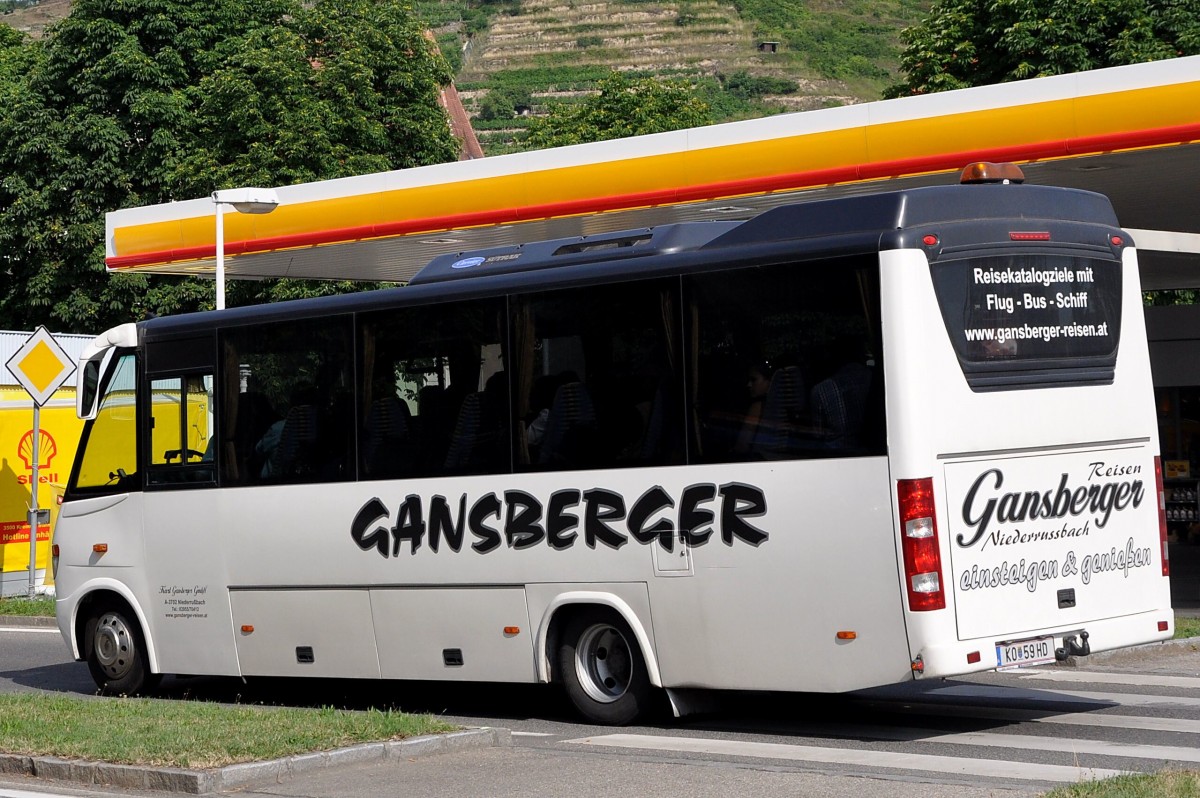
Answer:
(988, 172)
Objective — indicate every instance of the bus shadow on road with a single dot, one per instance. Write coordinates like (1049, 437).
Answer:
(63, 677)
(477, 700)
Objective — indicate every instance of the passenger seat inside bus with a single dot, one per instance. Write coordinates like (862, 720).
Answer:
(293, 456)
(389, 444)
(779, 428)
(570, 437)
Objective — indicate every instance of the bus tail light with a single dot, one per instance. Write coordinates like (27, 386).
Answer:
(919, 541)
(1162, 515)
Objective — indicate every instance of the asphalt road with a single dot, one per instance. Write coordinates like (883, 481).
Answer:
(1015, 733)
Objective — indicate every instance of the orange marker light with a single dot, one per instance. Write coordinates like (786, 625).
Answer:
(100, 548)
(512, 630)
(247, 629)
(846, 635)
(986, 172)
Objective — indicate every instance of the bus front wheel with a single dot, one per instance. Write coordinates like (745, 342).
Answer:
(603, 669)
(116, 652)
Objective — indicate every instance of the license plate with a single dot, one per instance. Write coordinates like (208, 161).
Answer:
(1015, 653)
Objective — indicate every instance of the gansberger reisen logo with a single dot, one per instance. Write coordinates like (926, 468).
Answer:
(47, 451)
(1024, 525)
(519, 520)
(1105, 490)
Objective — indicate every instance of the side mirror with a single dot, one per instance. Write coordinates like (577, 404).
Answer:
(87, 385)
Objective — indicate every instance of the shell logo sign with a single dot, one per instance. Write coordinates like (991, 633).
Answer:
(47, 449)
(57, 441)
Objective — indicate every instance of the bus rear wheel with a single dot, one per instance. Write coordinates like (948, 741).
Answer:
(116, 652)
(603, 669)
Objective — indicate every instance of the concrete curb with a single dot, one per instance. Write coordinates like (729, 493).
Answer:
(28, 620)
(214, 780)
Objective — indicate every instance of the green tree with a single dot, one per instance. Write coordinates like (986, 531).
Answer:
(503, 102)
(624, 107)
(134, 102)
(976, 42)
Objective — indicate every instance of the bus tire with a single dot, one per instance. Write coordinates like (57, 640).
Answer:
(603, 669)
(115, 650)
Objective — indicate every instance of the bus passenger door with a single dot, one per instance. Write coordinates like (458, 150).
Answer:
(185, 568)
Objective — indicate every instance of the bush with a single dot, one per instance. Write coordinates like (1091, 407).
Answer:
(503, 103)
(744, 86)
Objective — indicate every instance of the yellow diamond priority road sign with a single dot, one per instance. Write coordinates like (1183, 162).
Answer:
(41, 365)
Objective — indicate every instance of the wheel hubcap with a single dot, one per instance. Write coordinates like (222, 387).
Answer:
(603, 663)
(114, 645)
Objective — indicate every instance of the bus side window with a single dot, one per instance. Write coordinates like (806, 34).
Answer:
(286, 402)
(433, 393)
(599, 379)
(785, 362)
(181, 445)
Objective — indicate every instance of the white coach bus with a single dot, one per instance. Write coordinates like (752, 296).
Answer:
(846, 443)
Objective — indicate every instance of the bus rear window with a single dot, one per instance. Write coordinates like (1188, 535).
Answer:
(1031, 319)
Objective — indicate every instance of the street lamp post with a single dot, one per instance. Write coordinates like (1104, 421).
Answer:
(242, 200)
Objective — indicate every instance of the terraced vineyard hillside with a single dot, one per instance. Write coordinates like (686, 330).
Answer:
(648, 37)
(516, 58)
(33, 17)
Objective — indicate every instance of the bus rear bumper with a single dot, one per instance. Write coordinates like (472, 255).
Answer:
(984, 654)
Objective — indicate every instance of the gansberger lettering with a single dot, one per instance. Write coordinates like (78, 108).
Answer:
(519, 520)
(985, 503)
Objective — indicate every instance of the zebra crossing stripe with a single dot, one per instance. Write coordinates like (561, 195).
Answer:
(1030, 742)
(1134, 679)
(1055, 696)
(1140, 722)
(993, 768)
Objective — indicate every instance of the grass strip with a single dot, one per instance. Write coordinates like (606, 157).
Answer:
(189, 734)
(1186, 627)
(1171, 784)
(42, 606)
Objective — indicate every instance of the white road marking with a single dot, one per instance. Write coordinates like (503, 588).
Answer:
(1029, 742)
(531, 734)
(1067, 719)
(44, 630)
(1108, 677)
(1055, 696)
(993, 768)
(27, 794)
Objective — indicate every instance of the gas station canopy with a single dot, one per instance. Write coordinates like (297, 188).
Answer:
(1132, 133)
